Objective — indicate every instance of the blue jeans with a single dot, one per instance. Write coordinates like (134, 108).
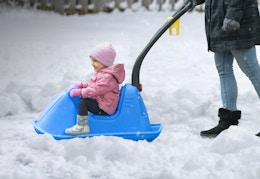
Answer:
(248, 63)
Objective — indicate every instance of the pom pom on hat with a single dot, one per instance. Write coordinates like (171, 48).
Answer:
(104, 53)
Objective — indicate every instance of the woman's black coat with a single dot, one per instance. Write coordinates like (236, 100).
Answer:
(243, 11)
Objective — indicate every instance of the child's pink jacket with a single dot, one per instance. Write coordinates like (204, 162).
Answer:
(104, 87)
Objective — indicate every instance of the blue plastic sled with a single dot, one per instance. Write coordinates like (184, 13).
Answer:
(130, 120)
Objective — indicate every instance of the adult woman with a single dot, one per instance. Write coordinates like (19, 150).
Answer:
(232, 30)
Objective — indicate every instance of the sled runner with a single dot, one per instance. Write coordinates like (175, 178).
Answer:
(130, 121)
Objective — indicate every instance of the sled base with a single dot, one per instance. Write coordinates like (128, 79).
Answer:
(149, 135)
(130, 121)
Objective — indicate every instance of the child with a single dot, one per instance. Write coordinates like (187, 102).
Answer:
(100, 95)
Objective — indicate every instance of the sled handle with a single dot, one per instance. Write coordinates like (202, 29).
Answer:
(157, 35)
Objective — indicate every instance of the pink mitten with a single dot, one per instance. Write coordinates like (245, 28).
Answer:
(75, 92)
(79, 85)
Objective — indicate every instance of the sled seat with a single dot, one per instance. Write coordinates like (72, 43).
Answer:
(131, 114)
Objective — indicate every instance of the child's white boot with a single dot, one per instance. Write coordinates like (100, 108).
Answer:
(81, 127)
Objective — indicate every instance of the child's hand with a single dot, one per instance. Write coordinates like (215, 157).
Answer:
(75, 92)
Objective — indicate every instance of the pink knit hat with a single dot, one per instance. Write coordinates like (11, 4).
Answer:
(104, 53)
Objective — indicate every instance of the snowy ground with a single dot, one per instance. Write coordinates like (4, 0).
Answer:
(43, 53)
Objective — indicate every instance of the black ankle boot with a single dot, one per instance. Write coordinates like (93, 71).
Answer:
(227, 118)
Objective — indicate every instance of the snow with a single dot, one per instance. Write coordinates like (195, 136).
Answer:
(42, 53)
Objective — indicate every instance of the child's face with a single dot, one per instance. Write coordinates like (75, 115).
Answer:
(96, 64)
